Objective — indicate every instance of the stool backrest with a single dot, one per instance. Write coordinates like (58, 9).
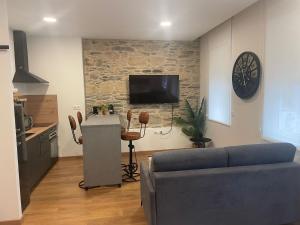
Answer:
(79, 117)
(129, 116)
(72, 122)
(143, 119)
(73, 127)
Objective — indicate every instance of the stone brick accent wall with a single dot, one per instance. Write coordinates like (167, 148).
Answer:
(108, 63)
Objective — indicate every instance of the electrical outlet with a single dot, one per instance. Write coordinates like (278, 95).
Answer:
(76, 107)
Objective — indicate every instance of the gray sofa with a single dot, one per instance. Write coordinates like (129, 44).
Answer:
(243, 185)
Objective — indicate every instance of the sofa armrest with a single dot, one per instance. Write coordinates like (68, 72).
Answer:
(148, 194)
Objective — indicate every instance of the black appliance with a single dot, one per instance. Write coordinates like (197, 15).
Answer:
(28, 122)
(53, 145)
(22, 156)
(95, 110)
(151, 89)
(22, 74)
(111, 109)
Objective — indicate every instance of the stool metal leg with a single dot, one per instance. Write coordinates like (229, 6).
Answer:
(130, 169)
(131, 146)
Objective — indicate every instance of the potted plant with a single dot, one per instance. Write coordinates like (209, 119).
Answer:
(194, 123)
(103, 109)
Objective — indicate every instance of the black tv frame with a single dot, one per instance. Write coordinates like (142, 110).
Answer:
(153, 102)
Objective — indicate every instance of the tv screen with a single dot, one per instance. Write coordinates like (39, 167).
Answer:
(151, 89)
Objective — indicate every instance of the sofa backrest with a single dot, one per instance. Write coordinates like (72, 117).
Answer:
(189, 159)
(247, 155)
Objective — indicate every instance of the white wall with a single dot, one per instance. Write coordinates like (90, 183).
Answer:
(248, 34)
(10, 207)
(59, 61)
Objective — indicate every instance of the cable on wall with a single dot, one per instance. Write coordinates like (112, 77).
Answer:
(172, 119)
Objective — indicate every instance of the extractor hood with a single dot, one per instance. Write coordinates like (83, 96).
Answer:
(22, 74)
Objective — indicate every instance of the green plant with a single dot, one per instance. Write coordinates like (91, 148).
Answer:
(103, 108)
(194, 121)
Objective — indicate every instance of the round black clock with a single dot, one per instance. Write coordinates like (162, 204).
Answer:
(246, 75)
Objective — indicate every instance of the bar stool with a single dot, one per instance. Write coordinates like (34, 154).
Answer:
(131, 168)
(78, 141)
(73, 128)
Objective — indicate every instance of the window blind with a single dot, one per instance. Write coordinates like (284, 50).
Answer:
(219, 94)
(281, 117)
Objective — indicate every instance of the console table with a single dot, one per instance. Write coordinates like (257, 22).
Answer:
(102, 151)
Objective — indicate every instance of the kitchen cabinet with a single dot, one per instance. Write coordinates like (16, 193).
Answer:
(39, 157)
(45, 153)
(33, 152)
(23, 172)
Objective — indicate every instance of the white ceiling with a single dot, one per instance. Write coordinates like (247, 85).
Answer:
(123, 19)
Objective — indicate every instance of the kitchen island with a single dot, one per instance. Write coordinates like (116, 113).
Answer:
(102, 151)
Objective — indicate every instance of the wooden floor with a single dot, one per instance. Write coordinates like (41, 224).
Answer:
(58, 201)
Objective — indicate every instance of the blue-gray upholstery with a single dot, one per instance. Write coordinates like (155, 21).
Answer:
(260, 154)
(189, 159)
(262, 191)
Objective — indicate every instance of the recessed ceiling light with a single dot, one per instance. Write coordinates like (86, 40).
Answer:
(49, 19)
(165, 24)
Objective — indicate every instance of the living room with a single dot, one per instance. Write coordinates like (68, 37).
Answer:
(234, 63)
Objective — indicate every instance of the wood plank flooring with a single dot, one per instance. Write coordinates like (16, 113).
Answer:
(58, 201)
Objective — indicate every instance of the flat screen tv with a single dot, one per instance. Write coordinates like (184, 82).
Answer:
(152, 89)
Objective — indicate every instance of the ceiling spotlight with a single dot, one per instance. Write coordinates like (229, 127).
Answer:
(49, 19)
(165, 24)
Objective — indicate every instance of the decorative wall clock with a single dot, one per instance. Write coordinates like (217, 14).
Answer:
(246, 75)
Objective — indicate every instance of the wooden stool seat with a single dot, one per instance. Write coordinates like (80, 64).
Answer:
(127, 136)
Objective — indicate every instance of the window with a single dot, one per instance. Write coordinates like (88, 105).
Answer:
(281, 119)
(219, 94)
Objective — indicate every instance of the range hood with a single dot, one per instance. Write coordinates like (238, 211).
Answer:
(22, 74)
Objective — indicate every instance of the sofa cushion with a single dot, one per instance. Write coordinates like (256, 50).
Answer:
(246, 155)
(188, 159)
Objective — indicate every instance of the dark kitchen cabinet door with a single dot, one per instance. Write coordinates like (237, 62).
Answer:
(24, 176)
(45, 156)
(39, 158)
(34, 163)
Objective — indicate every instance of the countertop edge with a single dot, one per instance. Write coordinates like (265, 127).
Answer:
(39, 130)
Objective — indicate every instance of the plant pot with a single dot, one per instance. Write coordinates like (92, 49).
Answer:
(200, 143)
(197, 143)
